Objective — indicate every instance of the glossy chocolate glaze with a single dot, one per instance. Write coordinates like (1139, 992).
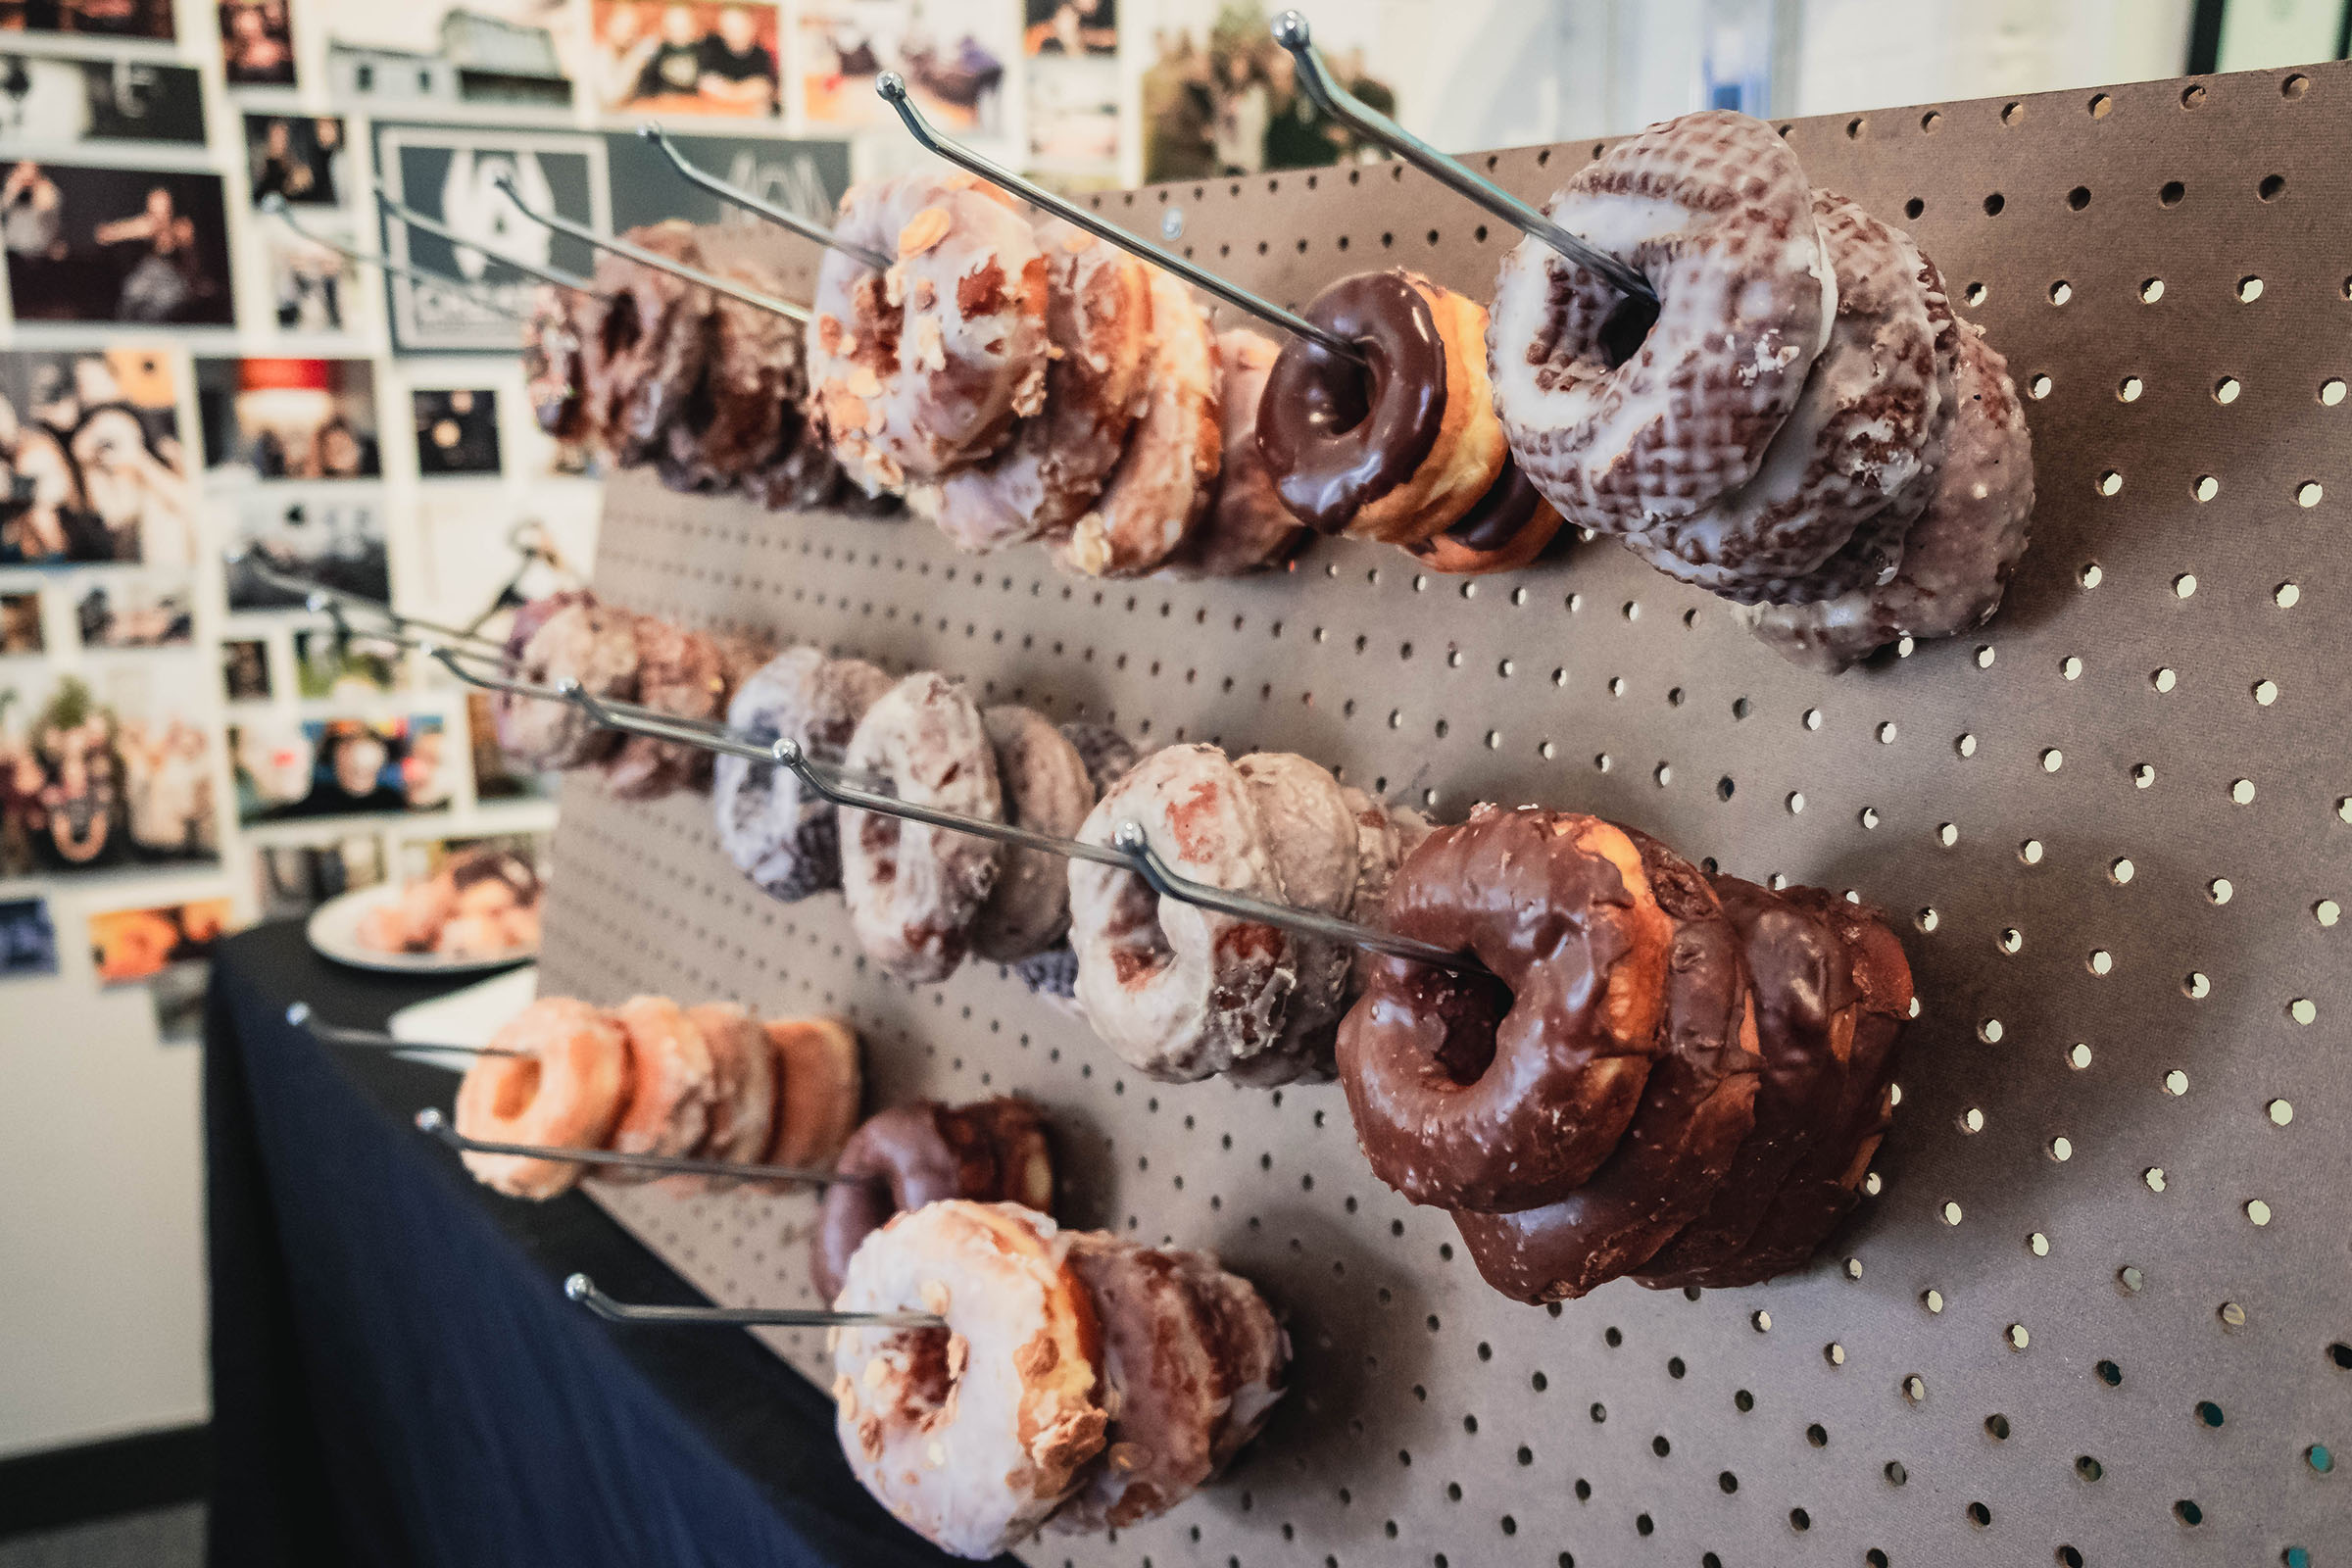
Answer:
(1462, 1099)
(1496, 517)
(916, 1153)
(1336, 435)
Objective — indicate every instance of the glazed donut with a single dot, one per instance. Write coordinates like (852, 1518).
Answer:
(1177, 991)
(1310, 831)
(1852, 447)
(820, 1084)
(752, 383)
(672, 1083)
(645, 359)
(915, 889)
(1697, 1106)
(563, 1089)
(1106, 753)
(742, 1093)
(592, 643)
(681, 673)
(785, 840)
(921, 369)
(551, 362)
(913, 1154)
(1808, 1004)
(1504, 529)
(1622, 430)
(1251, 1348)
(1046, 788)
(1957, 558)
(1247, 528)
(802, 474)
(1099, 323)
(1384, 836)
(1395, 449)
(1162, 485)
(1505, 1091)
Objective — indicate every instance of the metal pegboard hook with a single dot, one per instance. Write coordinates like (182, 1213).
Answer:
(402, 213)
(893, 88)
(645, 258)
(434, 1124)
(1292, 32)
(736, 195)
(582, 1289)
(276, 206)
(299, 1015)
(318, 597)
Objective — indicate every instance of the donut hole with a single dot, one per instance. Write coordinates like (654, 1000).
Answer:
(518, 1087)
(921, 1377)
(1469, 1008)
(1627, 327)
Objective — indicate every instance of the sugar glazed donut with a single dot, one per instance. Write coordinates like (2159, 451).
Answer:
(582, 640)
(970, 1435)
(1246, 527)
(913, 890)
(820, 1084)
(644, 362)
(1506, 1091)
(680, 674)
(563, 1088)
(921, 369)
(742, 1093)
(672, 1083)
(1311, 833)
(784, 838)
(910, 1155)
(1045, 788)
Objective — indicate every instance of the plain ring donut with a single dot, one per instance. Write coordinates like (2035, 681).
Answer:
(672, 1082)
(563, 1089)
(913, 890)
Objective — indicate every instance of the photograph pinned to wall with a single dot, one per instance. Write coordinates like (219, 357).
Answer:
(801, 176)
(167, 949)
(289, 768)
(1074, 115)
(92, 467)
(439, 57)
(28, 939)
(457, 432)
(954, 57)
(256, 43)
(89, 19)
(288, 419)
(325, 535)
(673, 57)
(106, 772)
(1223, 99)
(293, 879)
(48, 102)
(1067, 29)
(94, 244)
(303, 158)
(328, 665)
(453, 175)
(245, 670)
(115, 610)
(21, 624)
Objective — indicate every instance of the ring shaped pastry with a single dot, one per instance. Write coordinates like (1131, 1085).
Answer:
(1047, 789)
(1399, 446)
(784, 838)
(742, 1093)
(820, 1084)
(752, 383)
(970, 1433)
(563, 1089)
(644, 362)
(1311, 832)
(1247, 528)
(913, 1154)
(1016, 1132)
(1162, 486)
(1504, 529)
(1624, 419)
(681, 673)
(1107, 754)
(920, 370)
(1098, 321)
(1252, 1348)
(1696, 1108)
(915, 889)
(592, 643)
(1177, 991)
(672, 1083)
(553, 362)
(1505, 1091)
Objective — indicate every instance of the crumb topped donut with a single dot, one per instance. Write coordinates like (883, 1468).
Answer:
(784, 838)
(563, 1088)
(913, 890)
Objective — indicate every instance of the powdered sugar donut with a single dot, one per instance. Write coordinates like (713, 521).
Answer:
(782, 837)
(563, 1089)
(672, 1082)
(1177, 991)
(1247, 528)
(1622, 431)
(1310, 831)
(681, 673)
(592, 643)
(921, 369)
(972, 1434)
(1045, 788)
(913, 890)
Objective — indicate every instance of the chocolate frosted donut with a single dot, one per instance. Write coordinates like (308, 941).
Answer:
(1697, 1106)
(1509, 1090)
(1396, 448)
(1247, 528)
(552, 363)
(782, 837)
(1504, 529)
(915, 1155)
(683, 674)
(1045, 788)
(585, 640)
(645, 359)
(913, 890)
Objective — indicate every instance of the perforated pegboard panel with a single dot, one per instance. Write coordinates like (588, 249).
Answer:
(2065, 1329)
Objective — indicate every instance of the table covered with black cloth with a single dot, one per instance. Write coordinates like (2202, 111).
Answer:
(397, 1378)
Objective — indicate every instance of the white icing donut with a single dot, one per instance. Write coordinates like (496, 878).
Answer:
(913, 890)
(1045, 788)
(1310, 830)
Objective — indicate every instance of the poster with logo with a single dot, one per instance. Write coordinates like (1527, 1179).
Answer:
(457, 175)
(806, 177)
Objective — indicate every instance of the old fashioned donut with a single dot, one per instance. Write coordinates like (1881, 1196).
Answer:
(587, 640)
(1504, 529)
(645, 361)
(1046, 788)
(916, 1153)
(1506, 1091)
(1957, 558)
(673, 1084)
(784, 838)
(920, 370)
(972, 1434)
(1697, 1106)
(1177, 991)
(681, 673)
(1622, 429)
(1162, 485)
(1246, 527)
(1398, 447)
(913, 890)
(1099, 324)
(753, 381)
(1808, 1004)
(553, 362)
(564, 1088)
(1310, 830)
(742, 1093)
(820, 1083)
(1252, 1348)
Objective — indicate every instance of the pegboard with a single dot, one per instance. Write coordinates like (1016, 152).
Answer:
(2098, 1311)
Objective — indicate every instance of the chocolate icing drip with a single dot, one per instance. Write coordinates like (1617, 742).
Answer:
(1336, 435)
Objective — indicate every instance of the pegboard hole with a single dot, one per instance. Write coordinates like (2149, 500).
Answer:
(2069, 1557)
(1932, 1299)
(2122, 871)
(2079, 198)
(1965, 744)
(2281, 1113)
(2189, 1513)
(1996, 1427)
(2037, 1244)
(2151, 290)
(2128, 389)
(1990, 1031)
(2090, 576)
(1947, 834)
(2226, 389)
(2061, 291)
(1976, 294)
(2232, 1314)
(2328, 913)
(2308, 493)
(2197, 985)
(1743, 1402)
(1799, 1520)
(2029, 852)
(2016, 1337)
(2144, 776)
(2258, 1212)
(2176, 1083)
(2249, 289)
(1660, 1447)
(2266, 691)
(2062, 1149)
(2134, 1281)
(1834, 1353)
(2100, 962)
(1913, 208)
(2272, 188)
(2154, 1178)
(2111, 484)
(1972, 1120)
(2078, 1055)
(1927, 920)
(1980, 1516)
(1993, 204)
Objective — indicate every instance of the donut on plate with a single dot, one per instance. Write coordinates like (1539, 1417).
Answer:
(1045, 788)
(742, 1093)
(1625, 418)
(1246, 527)
(1311, 832)
(1508, 1089)
(672, 1083)
(752, 383)
(913, 890)
(785, 838)
(912, 1154)
(921, 369)
(1504, 529)
(645, 361)
(551, 363)
(680, 674)
(587, 641)
(820, 1083)
(563, 1088)
(970, 1433)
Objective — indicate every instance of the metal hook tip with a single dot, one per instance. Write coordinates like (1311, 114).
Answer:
(1291, 30)
(891, 87)
(273, 202)
(568, 685)
(787, 750)
(1129, 837)
(299, 1015)
(430, 1119)
(578, 1287)
(648, 131)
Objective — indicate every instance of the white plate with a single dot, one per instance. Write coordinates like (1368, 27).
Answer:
(468, 1017)
(334, 933)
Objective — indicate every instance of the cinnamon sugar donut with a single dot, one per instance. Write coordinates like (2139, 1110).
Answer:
(681, 673)
(972, 1434)
(1504, 529)
(1163, 484)
(1697, 1106)
(1247, 528)
(1310, 830)
(645, 359)
(915, 889)
(1508, 1089)
(673, 1084)
(819, 1084)
(585, 640)
(552, 363)
(1045, 788)
(912, 1154)
(1099, 323)
(921, 369)
(742, 1093)
(784, 838)
(752, 383)
(1622, 429)
(1177, 991)
(563, 1089)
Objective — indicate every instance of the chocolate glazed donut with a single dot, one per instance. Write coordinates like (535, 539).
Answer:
(1504, 529)
(1508, 1091)
(1696, 1108)
(913, 1154)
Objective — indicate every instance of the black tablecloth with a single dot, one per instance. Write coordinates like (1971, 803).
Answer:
(397, 1378)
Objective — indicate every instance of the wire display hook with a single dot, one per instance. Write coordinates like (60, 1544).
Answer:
(434, 1124)
(276, 206)
(401, 213)
(645, 258)
(736, 195)
(582, 1289)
